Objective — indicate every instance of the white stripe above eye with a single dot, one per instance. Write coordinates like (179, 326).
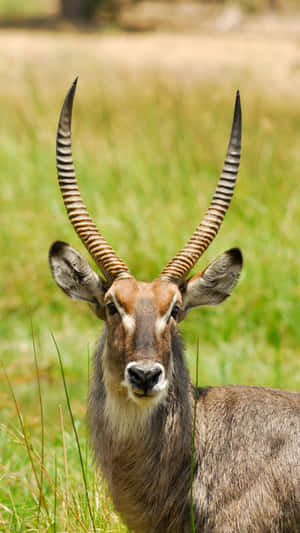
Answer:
(128, 321)
(162, 321)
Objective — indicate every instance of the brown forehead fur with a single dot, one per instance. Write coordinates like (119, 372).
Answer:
(130, 292)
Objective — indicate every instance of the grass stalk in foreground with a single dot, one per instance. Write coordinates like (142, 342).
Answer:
(27, 443)
(38, 379)
(55, 493)
(65, 453)
(75, 431)
(53, 484)
(193, 442)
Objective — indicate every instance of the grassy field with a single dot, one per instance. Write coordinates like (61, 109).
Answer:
(31, 8)
(148, 153)
(11, 8)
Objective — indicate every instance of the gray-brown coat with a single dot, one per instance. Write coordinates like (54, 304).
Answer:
(246, 475)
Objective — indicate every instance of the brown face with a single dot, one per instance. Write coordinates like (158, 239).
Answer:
(137, 356)
(140, 318)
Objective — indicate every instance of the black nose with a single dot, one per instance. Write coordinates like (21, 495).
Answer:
(144, 378)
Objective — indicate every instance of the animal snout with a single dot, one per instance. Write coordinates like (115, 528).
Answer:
(144, 380)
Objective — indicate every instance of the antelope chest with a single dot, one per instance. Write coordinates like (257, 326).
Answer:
(148, 478)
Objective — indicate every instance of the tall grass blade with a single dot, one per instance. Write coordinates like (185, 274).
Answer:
(38, 378)
(55, 489)
(24, 433)
(55, 493)
(65, 453)
(75, 431)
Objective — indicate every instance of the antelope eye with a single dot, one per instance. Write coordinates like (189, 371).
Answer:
(111, 308)
(175, 311)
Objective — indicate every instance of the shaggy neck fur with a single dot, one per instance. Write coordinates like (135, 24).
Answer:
(246, 470)
(135, 445)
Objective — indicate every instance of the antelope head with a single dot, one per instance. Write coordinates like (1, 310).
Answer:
(141, 318)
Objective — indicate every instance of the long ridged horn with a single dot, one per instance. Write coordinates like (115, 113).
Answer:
(178, 268)
(111, 266)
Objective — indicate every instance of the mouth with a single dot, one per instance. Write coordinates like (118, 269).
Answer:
(148, 398)
(143, 394)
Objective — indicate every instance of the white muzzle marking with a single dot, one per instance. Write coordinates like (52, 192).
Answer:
(147, 396)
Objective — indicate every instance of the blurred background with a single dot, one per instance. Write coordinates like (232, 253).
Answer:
(152, 117)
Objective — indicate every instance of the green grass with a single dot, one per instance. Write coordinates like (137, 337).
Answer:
(35, 8)
(30, 8)
(148, 155)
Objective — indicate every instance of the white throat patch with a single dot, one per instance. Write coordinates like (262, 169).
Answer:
(125, 418)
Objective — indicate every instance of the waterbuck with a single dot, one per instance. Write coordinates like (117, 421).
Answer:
(246, 473)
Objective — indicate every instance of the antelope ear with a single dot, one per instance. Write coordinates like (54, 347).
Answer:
(214, 284)
(75, 277)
